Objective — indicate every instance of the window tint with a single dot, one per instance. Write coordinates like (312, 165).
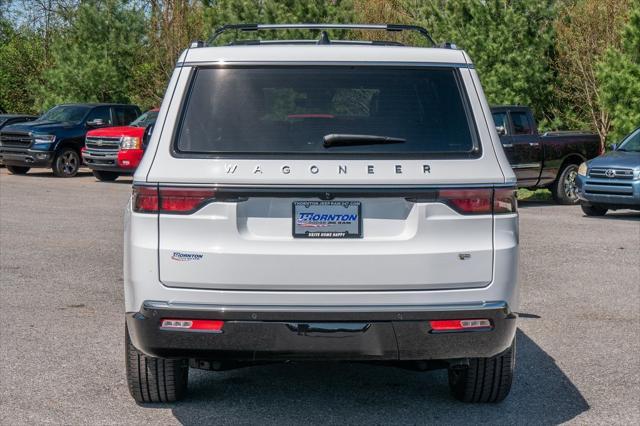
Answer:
(290, 110)
(145, 119)
(500, 120)
(632, 143)
(101, 113)
(65, 113)
(521, 125)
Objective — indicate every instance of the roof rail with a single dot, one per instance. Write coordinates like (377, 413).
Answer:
(384, 27)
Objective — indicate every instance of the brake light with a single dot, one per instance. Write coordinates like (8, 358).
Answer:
(505, 200)
(474, 201)
(460, 325)
(183, 200)
(214, 326)
(170, 199)
(145, 199)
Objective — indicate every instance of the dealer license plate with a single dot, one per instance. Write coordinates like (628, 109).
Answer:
(327, 219)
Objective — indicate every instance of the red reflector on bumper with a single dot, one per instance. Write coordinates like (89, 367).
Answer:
(192, 325)
(460, 325)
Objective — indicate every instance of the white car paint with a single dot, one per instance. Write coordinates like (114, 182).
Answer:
(411, 254)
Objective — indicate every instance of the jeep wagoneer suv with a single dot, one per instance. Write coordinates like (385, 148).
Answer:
(332, 200)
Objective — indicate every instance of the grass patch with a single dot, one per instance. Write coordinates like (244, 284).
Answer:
(537, 195)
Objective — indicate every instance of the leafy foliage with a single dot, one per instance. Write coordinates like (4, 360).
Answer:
(95, 58)
(569, 59)
(619, 77)
(510, 43)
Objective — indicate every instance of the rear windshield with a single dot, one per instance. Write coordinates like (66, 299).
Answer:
(269, 111)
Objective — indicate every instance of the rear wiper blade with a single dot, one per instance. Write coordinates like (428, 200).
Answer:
(346, 139)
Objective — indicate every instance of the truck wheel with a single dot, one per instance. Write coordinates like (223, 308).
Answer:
(564, 189)
(105, 176)
(591, 210)
(486, 379)
(66, 163)
(154, 379)
(18, 170)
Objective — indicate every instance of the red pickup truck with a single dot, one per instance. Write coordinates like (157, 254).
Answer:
(113, 151)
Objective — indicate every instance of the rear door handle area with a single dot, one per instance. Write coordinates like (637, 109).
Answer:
(507, 145)
(534, 143)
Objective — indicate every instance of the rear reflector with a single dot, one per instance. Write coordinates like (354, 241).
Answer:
(148, 199)
(214, 326)
(460, 325)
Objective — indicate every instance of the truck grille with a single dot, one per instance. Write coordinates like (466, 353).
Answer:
(605, 173)
(15, 139)
(610, 182)
(102, 144)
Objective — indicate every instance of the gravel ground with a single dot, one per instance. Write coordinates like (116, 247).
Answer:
(62, 348)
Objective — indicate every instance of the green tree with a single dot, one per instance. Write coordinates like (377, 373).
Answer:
(510, 43)
(21, 64)
(619, 77)
(94, 60)
(223, 12)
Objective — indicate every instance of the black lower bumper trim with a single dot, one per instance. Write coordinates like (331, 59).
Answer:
(317, 335)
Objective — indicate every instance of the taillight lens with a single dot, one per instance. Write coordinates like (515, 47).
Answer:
(504, 200)
(145, 199)
(214, 326)
(469, 201)
(170, 199)
(460, 325)
(480, 200)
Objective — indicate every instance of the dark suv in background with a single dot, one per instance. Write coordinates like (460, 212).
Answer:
(56, 138)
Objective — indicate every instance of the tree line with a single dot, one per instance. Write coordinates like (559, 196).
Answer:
(575, 62)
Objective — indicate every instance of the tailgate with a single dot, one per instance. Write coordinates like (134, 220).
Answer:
(249, 244)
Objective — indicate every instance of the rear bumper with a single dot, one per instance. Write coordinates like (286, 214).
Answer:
(262, 333)
(26, 157)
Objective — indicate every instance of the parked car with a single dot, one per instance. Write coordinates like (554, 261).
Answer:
(55, 139)
(338, 202)
(548, 160)
(7, 119)
(114, 151)
(612, 181)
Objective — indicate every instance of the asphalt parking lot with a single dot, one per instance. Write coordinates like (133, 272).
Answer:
(62, 345)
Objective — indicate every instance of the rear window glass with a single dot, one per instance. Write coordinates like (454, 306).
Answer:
(292, 110)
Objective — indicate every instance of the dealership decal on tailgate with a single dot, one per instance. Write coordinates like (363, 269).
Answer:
(327, 219)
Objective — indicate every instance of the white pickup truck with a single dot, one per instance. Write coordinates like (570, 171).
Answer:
(339, 200)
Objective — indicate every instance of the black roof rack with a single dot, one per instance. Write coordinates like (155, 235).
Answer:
(385, 27)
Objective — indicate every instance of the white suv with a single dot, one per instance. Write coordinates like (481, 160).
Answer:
(332, 200)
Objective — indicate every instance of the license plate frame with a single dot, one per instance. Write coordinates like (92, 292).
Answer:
(313, 228)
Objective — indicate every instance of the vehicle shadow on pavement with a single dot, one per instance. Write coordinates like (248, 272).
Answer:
(349, 393)
(617, 215)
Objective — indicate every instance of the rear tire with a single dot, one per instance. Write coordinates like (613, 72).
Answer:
(486, 379)
(154, 379)
(564, 188)
(66, 163)
(18, 170)
(591, 210)
(105, 176)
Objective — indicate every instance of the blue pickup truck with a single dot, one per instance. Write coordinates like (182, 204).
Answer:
(56, 138)
(611, 181)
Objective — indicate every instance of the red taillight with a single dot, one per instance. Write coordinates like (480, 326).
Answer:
(183, 200)
(480, 200)
(145, 199)
(476, 201)
(504, 200)
(169, 200)
(214, 326)
(460, 325)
